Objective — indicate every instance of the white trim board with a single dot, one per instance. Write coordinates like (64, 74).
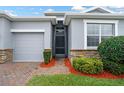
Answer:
(100, 21)
(27, 30)
(97, 21)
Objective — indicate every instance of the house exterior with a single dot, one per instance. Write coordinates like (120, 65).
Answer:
(23, 39)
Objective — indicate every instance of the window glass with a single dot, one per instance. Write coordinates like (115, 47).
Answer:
(92, 34)
(92, 40)
(98, 32)
(107, 31)
(93, 29)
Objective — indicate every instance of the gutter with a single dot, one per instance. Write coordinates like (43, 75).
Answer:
(28, 18)
(69, 16)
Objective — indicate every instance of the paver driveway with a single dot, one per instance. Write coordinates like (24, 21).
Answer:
(19, 73)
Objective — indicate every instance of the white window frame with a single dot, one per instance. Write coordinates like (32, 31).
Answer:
(86, 21)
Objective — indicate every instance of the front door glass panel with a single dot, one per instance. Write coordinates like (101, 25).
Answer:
(60, 42)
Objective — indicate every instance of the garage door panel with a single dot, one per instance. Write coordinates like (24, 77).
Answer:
(28, 46)
(28, 39)
(23, 49)
(29, 52)
(30, 57)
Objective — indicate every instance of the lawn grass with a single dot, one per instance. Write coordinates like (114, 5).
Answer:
(72, 80)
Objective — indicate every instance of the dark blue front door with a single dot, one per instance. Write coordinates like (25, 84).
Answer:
(60, 41)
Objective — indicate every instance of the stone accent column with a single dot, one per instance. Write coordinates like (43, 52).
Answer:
(84, 53)
(6, 55)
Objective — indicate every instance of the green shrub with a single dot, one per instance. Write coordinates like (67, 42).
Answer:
(112, 67)
(112, 49)
(88, 65)
(47, 56)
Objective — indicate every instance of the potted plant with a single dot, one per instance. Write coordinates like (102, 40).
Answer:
(47, 56)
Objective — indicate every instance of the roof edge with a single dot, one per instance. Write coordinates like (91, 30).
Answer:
(93, 8)
(28, 18)
(69, 16)
(54, 13)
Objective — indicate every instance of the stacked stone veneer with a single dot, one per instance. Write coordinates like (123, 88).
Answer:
(6, 55)
(84, 53)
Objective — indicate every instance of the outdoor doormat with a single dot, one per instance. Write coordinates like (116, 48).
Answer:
(104, 74)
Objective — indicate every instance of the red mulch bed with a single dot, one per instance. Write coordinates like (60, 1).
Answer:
(50, 64)
(104, 74)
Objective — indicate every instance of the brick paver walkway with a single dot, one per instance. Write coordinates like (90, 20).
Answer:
(19, 73)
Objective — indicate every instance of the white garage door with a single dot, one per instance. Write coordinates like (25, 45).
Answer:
(28, 47)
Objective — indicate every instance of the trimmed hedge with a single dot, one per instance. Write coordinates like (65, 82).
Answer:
(112, 49)
(88, 65)
(112, 67)
(47, 56)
